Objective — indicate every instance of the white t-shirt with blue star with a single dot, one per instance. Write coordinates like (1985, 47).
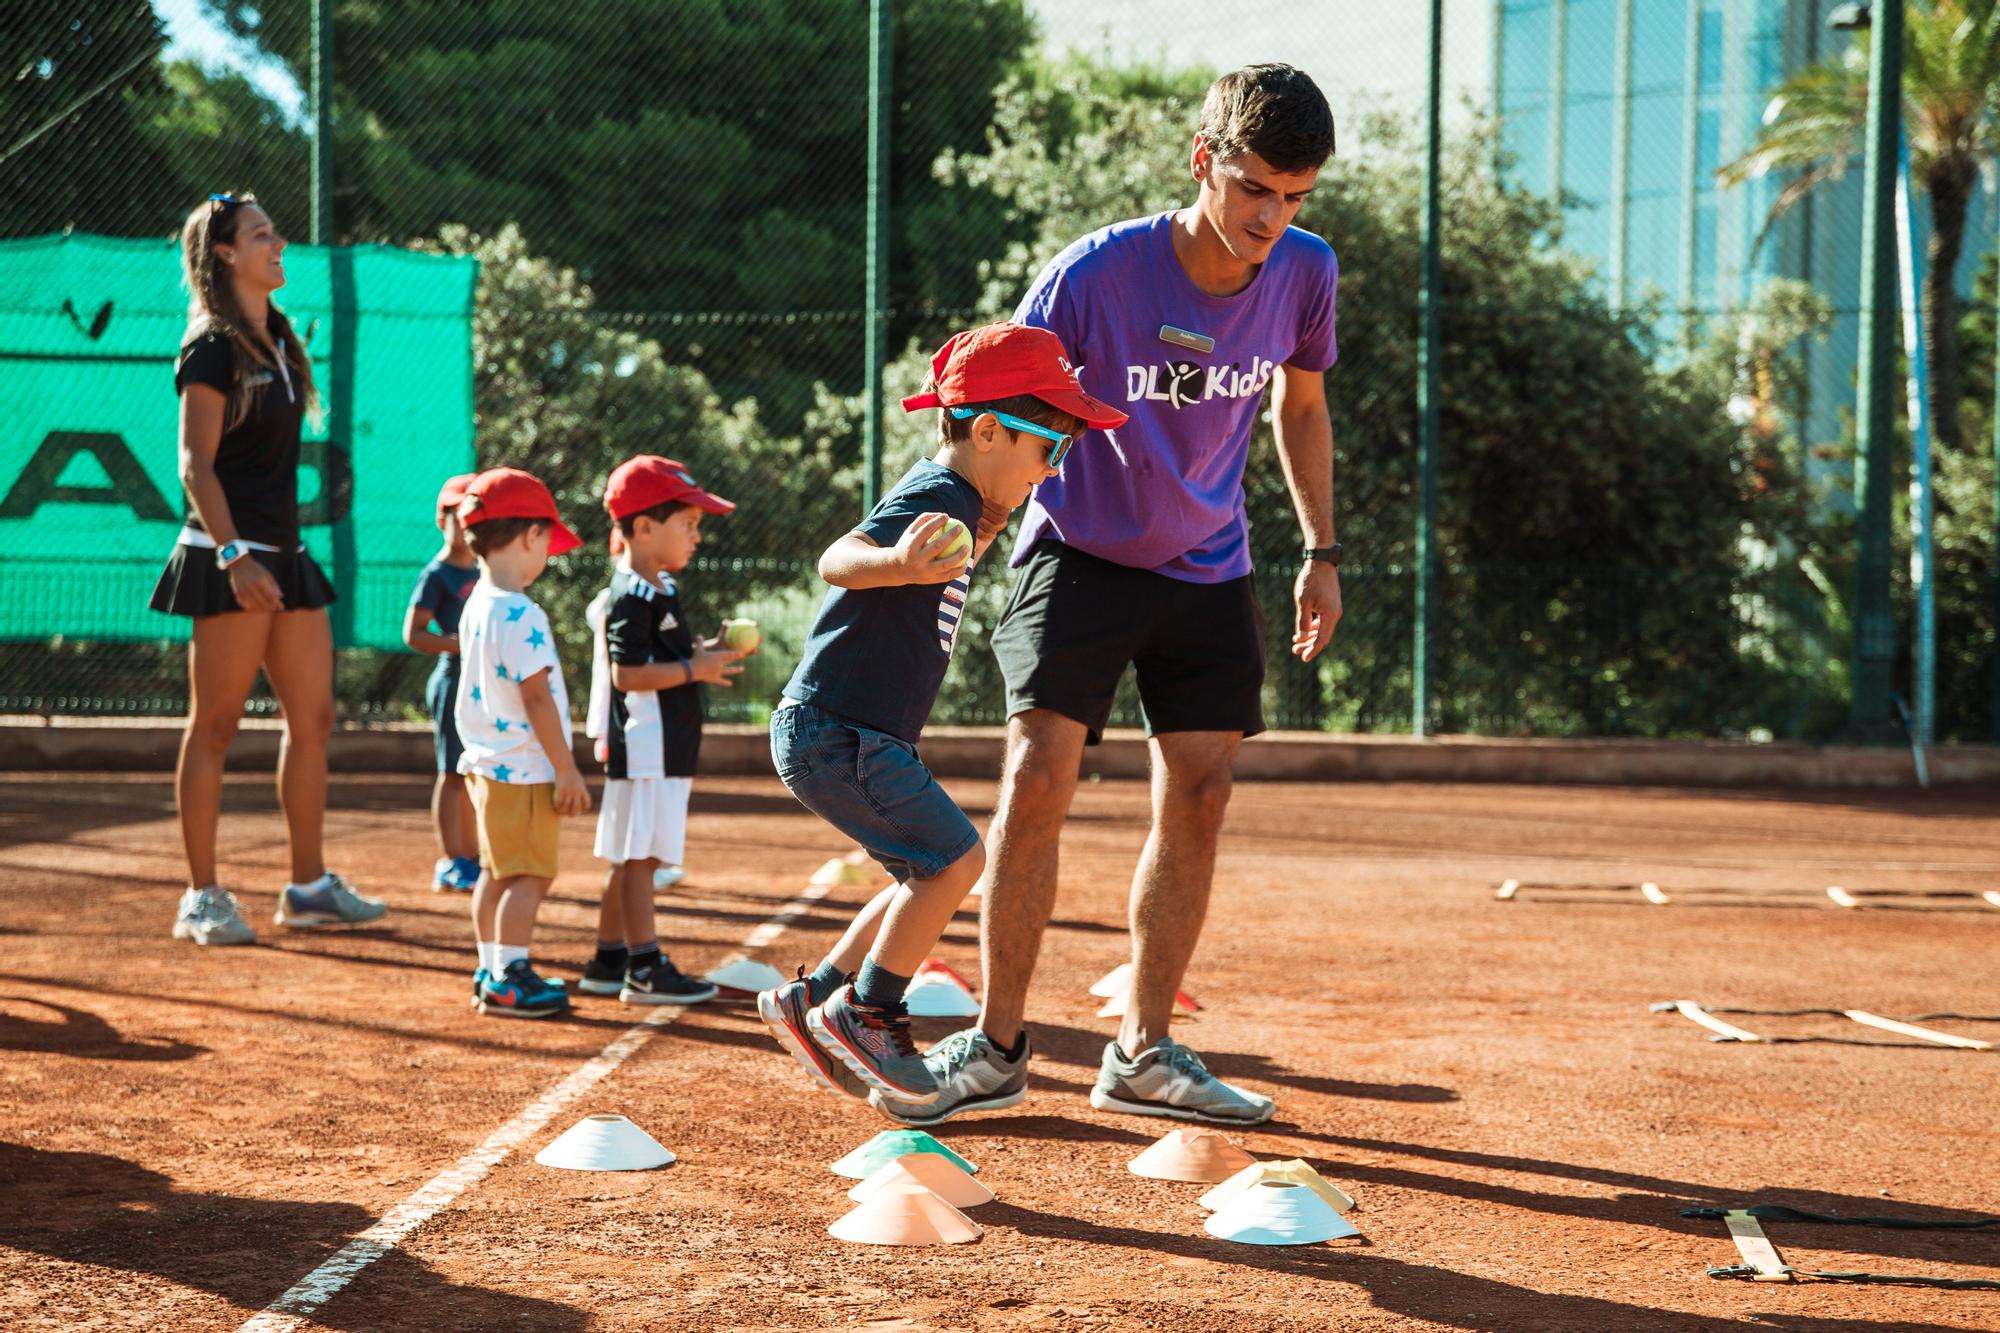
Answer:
(504, 638)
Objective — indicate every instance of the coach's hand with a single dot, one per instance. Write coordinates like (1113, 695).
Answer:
(1317, 596)
(254, 586)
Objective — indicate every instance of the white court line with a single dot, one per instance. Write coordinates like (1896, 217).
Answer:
(321, 1285)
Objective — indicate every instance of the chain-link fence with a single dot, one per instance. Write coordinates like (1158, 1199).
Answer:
(1647, 396)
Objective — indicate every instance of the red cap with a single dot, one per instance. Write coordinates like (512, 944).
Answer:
(505, 492)
(1005, 361)
(453, 491)
(640, 483)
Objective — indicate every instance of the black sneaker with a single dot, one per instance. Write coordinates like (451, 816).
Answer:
(663, 983)
(601, 978)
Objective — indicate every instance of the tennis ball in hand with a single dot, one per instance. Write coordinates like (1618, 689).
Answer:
(957, 542)
(741, 636)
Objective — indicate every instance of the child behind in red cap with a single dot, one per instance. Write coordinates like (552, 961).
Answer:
(845, 738)
(513, 716)
(653, 732)
(437, 600)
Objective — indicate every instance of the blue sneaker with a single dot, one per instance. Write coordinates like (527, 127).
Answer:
(455, 874)
(328, 903)
(520, 993)
(479, 979)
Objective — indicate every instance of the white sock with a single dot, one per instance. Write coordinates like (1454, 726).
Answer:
(505, 954)
(489, 956)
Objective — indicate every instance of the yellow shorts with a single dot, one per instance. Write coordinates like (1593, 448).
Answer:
(517, 826)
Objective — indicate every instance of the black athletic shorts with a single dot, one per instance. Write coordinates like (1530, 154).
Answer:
(1074, 621)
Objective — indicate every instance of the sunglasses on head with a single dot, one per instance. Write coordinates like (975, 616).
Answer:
(225, 200)
(1056, 452)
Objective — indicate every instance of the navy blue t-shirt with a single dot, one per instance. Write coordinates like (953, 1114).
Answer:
(877, 656)
(441, 590)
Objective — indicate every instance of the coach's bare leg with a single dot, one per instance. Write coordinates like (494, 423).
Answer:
(299, 661)
(1044, 749)
(222, 667)
(1191, 782)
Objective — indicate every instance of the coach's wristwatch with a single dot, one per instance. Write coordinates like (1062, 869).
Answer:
(1330, 554)
(229, 553)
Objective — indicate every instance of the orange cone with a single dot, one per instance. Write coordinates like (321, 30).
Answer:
(905, 1215)
(1201, 1156)
(933, 1172)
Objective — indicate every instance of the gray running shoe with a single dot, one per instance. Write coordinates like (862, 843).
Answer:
(783, 1010)
(875, 1043)
(971, 1074)
(209, 916)
(328, 903)
(1168, 1079)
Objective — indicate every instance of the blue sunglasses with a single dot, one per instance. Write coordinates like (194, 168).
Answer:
(1062, 441)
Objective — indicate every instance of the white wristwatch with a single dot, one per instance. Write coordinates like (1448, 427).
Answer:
(229, 553)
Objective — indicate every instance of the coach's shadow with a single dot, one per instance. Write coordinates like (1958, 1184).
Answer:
(57, 1029)
(1080, 1046)
(1650, 1201)
(102, 1211)
(1437, 1295)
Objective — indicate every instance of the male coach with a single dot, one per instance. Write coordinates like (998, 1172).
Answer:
(1139, 554)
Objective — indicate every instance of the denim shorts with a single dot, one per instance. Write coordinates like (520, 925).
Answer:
(873, 788)
(441, 694)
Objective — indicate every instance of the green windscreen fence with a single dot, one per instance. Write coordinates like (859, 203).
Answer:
(90, 496)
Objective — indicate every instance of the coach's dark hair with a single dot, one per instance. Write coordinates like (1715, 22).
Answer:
(659, 513)
(1274, 111)
(951, 429)
(496, 533)
(212, 307)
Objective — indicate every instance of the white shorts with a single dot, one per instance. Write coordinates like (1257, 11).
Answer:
(643, 819)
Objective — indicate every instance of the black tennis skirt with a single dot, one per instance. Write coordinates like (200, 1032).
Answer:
(191, 585)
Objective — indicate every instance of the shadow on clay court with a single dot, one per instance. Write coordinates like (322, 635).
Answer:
(1079, 1046)
(56, 1029)
(1437, 1295)
(1653, 1202)
(103, 1211)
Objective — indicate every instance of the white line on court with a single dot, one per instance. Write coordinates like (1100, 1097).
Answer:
(318, 1287)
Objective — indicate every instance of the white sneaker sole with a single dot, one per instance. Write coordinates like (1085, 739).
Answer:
(321, 920)
(1104, 1101)
(641, 997)
(969, 1106)
(589, 987)
(184, 931)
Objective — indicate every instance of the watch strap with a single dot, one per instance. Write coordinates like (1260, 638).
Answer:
(1330, 554)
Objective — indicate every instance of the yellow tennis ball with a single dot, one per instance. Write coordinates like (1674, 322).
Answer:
(956, 540)
(741, 636)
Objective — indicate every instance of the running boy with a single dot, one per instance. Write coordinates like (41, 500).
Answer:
(653, 740)
(845, 738)
(438, 599)
(513, 715)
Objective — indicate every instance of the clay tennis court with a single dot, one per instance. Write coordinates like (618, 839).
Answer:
(189, 1133)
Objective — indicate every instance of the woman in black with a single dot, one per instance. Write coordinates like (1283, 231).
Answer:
(256, 597)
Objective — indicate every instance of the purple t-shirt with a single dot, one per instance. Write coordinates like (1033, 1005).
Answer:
(1164, 492)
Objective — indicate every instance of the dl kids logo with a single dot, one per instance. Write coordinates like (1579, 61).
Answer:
(1182, 383)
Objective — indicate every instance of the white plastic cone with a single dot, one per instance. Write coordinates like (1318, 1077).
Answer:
(1294, 1171)
(1278, 1213)
(1184, 1005)
(905, 1214)
(931, 1171)
(1202, 1156)
(934, 995)
(840, 870)
(747, 977)
(604, 1143)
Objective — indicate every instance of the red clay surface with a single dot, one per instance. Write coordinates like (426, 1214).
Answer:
(187, 1133)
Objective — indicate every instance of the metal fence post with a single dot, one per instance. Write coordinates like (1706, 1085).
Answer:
(1874, 648)
(1427, 399)
(881, 91)
(322, 112)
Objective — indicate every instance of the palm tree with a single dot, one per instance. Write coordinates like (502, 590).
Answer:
(1951, 112)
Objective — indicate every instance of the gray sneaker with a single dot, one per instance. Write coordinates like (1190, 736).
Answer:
(209, 916)
(971, 1074)
(328, 903)
(875, 1043)
(1168, 1079)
